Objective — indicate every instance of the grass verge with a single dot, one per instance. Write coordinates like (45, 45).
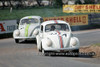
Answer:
(40, 11)
(98, 44)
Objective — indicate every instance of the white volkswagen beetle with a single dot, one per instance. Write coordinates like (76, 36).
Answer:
(26, 27)
(56, 36)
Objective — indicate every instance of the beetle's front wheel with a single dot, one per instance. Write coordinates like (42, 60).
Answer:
(45, 53)
(76, 53)
(40, 49)
(17, 40)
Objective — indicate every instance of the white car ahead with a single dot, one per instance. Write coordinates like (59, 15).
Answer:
(56, 36)
(26, 27)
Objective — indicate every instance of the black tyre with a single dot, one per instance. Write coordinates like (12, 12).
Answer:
(76, 53)
(40, 50)
(17, 40)
(45, 53)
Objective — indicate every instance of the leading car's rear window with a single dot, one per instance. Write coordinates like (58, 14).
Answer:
(29, 21)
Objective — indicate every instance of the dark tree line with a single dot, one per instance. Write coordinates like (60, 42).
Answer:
(39, 2)
(85, 2)
(54, 3)
(10, 4)
(21, 3)
(58, 3)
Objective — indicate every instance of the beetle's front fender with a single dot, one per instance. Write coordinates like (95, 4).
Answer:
(44, 45)
(38, 40)
(74, 42)
(16, 33)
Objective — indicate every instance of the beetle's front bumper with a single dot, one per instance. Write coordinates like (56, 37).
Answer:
(61, 49)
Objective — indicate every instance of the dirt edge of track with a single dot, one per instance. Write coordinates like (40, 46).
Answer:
(92, 48)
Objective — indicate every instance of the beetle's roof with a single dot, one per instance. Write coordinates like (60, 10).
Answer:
(31, 17)
(53, 21)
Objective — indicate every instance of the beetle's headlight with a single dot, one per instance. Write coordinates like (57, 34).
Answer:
(36, 32)
(17, 32)
(48, 42)
(73, 42)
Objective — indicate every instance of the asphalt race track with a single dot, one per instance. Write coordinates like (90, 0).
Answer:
(25, 54)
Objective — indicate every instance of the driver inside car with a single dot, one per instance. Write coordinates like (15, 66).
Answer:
(52, 28)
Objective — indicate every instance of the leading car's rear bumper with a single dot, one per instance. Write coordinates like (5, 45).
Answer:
(24, 38)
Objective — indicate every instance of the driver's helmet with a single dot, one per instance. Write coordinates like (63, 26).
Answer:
(52, 28)
(63, 27)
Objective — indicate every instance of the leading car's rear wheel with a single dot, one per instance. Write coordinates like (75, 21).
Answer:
(17, 40)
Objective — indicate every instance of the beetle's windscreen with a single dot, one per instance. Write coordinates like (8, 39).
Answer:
(29, 21)
(54, 27)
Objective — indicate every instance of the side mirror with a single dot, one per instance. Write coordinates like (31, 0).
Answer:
(36, 32)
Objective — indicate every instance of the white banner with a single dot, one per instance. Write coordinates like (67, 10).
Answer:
(8, 26)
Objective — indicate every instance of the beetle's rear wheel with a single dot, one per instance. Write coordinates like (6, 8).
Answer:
(17, 40)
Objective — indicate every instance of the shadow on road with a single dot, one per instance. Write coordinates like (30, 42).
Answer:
(81, 55)
(28, 42)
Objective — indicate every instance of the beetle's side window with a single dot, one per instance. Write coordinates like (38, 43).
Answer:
(41, 28)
